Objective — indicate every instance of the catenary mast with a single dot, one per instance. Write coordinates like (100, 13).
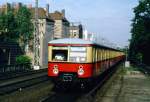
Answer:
(36, 39)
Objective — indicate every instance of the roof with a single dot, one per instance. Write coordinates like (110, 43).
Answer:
(41, 14)
(77, 42)
(57, 16)
(71, 41)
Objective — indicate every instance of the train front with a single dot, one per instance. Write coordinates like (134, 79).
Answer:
(70, 60)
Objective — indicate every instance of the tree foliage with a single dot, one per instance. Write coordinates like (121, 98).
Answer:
(8, 26)
(16, 26)
(25, 26)
(140, 41)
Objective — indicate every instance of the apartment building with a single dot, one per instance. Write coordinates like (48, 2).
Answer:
(76, 31)
(46, 31)
(61, 26)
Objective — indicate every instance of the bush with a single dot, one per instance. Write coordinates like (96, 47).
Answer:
(23, 59)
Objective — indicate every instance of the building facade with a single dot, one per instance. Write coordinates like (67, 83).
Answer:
(46, 31)
(76, 31)
(50, 26)
(61, 26)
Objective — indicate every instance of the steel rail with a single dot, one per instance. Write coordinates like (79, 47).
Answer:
(81, 95)
(12, 86)
(101, 82)
(11, 75)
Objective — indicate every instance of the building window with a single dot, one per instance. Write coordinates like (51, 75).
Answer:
(75, 34)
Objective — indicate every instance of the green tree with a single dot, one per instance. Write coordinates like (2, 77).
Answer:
(140, 41)
(8, 26)
(25, 26)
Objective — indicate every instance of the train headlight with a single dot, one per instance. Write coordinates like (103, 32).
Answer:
(80, 70)
(55, 69)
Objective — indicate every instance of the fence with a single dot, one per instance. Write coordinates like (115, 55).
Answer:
(15, 68)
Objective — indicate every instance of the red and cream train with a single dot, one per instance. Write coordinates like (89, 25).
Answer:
(71, 59)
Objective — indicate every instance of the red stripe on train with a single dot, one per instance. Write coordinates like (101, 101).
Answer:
(70, 68)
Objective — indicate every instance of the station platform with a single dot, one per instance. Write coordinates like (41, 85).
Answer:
(129, 85)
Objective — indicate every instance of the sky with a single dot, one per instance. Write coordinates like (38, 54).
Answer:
(110, 19)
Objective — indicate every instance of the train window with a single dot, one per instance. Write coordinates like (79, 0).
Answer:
(103, 54)
(94, 51)
(78, 54)
(107, 54)
(78, 49)
(98, 54)
(59, 55)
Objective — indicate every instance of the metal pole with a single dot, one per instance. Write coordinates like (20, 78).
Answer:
(36, 40)
(72, 30)
(126, 52)
(6, 7)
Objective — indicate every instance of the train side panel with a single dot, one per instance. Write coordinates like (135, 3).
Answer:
(81, 61)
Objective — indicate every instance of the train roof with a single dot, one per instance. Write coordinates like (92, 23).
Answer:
(78, 42)
(70, 41)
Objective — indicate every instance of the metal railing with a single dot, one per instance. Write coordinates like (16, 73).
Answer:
(15, 68)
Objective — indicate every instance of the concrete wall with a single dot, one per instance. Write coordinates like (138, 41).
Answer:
(66, 31)
(61, 29)
(44, 43)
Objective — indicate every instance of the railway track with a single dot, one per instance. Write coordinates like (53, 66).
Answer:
(22, 87)
(89, 97)
(10, 75)
(73, 95)
(62, 97)
(21, 82)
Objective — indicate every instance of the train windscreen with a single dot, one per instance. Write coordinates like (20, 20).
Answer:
(59, 55)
